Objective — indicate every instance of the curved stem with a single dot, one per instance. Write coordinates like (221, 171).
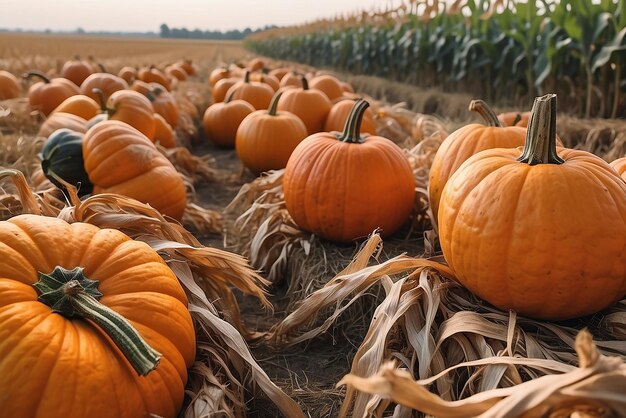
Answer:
(103, 105)
(71, 294)
(102, 67)
(488, 115)
(229, 98)
(246, 77)
(274, 103)
(352, 129)
(305, 83)
(35, 73)
(540, 146)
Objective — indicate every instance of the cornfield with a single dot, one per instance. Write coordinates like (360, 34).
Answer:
(503, 50)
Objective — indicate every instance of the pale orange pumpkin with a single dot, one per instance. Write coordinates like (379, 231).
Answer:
(312, 106)
(221, 121)
(79, 105)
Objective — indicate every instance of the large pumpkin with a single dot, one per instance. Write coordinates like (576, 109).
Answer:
(120, 159)
(105, 82)
(47, 94)
(92, 324)
(465, 142)
(221, 121)
(266, 138)
(342, 186)
(543, 234)
(76, 70)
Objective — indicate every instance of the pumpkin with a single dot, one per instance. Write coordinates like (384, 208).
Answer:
(163, 132)
(176, 71)
(338, 115)
(9, 86)
(257, 94)
(47, 94)
(62, 157)
(255, 64)
(93, 324)
(221, 121)
(543, 233)
(58, 120)
(105, 82)
(153, 74)
(188, 66)
(79, 105)
(327, 84)
(132, 108)
(218, 74)
(619, 165)
(268, 79)
(218, 92)
(129, 74)
(312, 106)
(138, 170)
(465, 142)
(342, 186)
(164, 103)
(514, 118)
(292, 79)
(266, 139)
(76, 70)
(280, 72)
(346, 87)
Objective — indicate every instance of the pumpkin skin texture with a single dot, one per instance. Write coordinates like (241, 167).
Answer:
(134, 109)
(79, 105)
(62, 156)
(619, 165)
(46, 95)
(328, 84)
(312, 106)
(465, 142)
(221, 87)
(59, 120)
(266, 139)
(76, 70)
(120, 159)
(54, 366)
(9, 86)
(107, 83)
(338, 115)
(343, 190)
(547, 240)
(221, 121)
(515, 118)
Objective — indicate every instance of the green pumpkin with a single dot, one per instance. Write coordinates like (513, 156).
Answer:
(62, 157)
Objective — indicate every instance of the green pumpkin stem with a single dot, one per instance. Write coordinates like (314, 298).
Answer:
(274, 103)
(352, 129)
(488, 115)
(35, 73)
(540, 146)
(71, 294)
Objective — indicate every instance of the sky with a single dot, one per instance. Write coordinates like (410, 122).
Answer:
(148, 15)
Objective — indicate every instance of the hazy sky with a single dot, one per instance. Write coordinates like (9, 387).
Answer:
(148, 15)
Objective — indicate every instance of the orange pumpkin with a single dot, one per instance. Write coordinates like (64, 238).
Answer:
(188, 66)
(522, 232)
(164, 103)
(268, 79)
(132, 108)
(256, 64)
(176, 71)
(266, 139)
(47, 94)
(79, 105)
(338, 116)
(257, 94)
(280, 72)
(163, 132)
(312, 106)
(105, 82)
(59, 120)
(465, 142)
(80, 308)
(619, 165)
(327, 84)
(514, 118)
(218, 92)
(221, 121)
(138, 170)
(76, 70)
(218, 74)
(129, 74)
(153, 74)
(342, 186)
(9, 86)
(292, 79)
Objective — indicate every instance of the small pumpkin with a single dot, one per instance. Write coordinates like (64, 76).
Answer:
(176, 71)
(188, 66)
(327, 84)
(280, 72)
(543, 233)
(82, 307)
(266, 139)
(338, 115)
(514, 118)
(132, 108)
(312, 106)
(138, 170)
(105, 82)
(342, 186)
(76, 70)
(153, 74)
(255, 64)
(221, 87)
(257, 94)
(221, 121)
(9, 86)
(268, 79)
(218, 74)
(62, 157)
(58, 120)
(47, 94)
(129, 74)
(79, 105)
(465, 142)
(619, 165)
(163, 132)
(292, 79)
(164, 103)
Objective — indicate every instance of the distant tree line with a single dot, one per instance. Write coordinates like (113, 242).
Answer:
(184, 33)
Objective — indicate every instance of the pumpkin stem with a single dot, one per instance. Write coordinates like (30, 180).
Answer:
(102, 67)
(229, 98)
(274, 103)
(483, 109)
(246, 77)
(540, 146)
(305, 83)
(352, 129)
(35, 73)
(103, 105)
(71, 294)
